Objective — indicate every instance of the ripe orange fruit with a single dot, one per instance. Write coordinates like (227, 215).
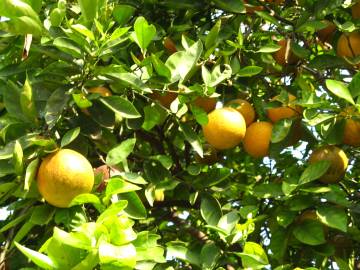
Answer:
(64, 175)
(103, 91)
(170, 45)
(164, 99)
(338, 162)
(355, 10)
(287, 111)
(226, 128)
(257, 139)
(326, 34)
(352, 132)
(280, 55)
(349, 45)
(206, 103)
(245, 108)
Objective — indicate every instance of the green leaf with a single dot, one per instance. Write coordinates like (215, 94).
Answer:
(68, 46)
(17, 159)
(123, 13)
(42, 214)
(135, 208)
(249, 71)
(217, 75)
(30, 173)
(314, 171)
(211, 38)
(228, 222)
(70, 136)
(269, 190)
(210, 209)
(152, 117)
(39, 259)
(27, 102)
(235, 6)
(76, 240)
(87, 198)
(209, 255)
(180, 251)
(54, 106)
(119, 256)
(340, 89)
(192, 138)
(117, 185)
(113, 210)
(121, 106)
(181, 63)
(90, 261)
(89, 9)
(120, 152)
(144, 33)
(253, 256)
(333, 217)
(269, 48)
(13, 222)
(160, 67)
(23, 19)
(354, 85)
(83, 30)
(200, 115)
(280, 130)
(310, 232)
(131, 80)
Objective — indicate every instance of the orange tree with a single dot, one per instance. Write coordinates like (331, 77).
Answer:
(127, 86)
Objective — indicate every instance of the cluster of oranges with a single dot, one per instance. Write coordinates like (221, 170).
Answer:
(234, 123)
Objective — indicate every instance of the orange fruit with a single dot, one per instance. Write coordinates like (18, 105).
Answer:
(103, 91)
(63, 175)
(170, 45)
(287, 111)
(206, 103)
(349, 45)
(225, 129)
(245, 108)
(338, 162)
(257, 139)
(164, 99)
(280, 55)
(352, 132)
(355, 10)
(326, 34)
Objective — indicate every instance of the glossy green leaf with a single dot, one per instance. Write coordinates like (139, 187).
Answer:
(249, 71)
(333, 217)
(236, 6)
(70, 136)
(314, 171)
(192, 138)
(340, 89)
(119, 256)
(123, 13)
(39, 259)
(310, 232)
(253, 256)
(144, 33)
(120, 152)
(211, 38)
(210, 209)
(30, 173)
(18, 157)
(27, 102)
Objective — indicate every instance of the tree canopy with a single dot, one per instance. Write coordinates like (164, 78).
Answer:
(223, 134)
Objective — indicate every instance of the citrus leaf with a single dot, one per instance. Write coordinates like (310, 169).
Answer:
(340, 89)
(333, 217)
(120, 152)
(314, 171)
(70, 136)
(38, 258)
(121, 106)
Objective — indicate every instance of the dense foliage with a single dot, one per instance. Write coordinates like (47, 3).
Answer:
(163, 198)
